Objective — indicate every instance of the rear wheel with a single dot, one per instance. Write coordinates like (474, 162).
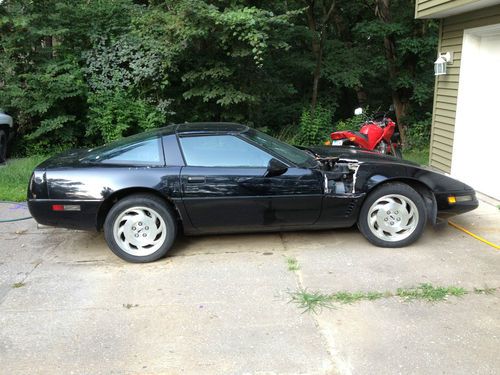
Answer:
(382, 148)
(3, 146)
(140, 228)
(396, 151)
(393, 215)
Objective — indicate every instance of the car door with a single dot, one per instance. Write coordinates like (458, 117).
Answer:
(224, 187)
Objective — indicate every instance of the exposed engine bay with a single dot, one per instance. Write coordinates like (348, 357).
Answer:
(340, 174)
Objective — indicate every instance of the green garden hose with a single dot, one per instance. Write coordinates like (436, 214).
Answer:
(12, 220)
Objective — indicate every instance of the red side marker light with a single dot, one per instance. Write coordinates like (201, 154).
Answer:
(66, 207)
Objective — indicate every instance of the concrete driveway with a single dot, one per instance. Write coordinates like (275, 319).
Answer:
(221, 304)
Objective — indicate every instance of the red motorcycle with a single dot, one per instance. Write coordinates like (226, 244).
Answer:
(376, 134)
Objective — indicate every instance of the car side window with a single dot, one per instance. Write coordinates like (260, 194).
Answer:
(146, 152)
(222, 151)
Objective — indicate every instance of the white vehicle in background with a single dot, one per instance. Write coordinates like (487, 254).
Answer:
(6, 125)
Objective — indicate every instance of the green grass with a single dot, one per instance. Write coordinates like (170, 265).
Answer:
(313, 301)
(18, 285)
(417, 156)
(14, 177)
(430, 293)
(293, 264)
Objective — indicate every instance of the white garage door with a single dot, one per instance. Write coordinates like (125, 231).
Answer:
(476, 146)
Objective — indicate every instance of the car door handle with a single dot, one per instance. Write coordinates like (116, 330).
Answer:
(196, 179)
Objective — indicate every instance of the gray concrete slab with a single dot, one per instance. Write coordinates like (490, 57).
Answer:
(443, 257)
(484, 221)
(457, 337)
(211, 313)
(220, 304)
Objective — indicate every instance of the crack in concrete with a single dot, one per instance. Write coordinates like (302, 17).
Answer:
(335, 364)
(7, 288)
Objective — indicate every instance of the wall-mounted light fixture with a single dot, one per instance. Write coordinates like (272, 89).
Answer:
(442, 61)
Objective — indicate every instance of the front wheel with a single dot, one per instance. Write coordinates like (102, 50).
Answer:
(140, 228)
(394, 215)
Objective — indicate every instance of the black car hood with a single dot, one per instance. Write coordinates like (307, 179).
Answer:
(377, 165)
(356, 154)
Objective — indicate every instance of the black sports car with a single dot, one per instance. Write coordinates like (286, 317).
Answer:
(221, 177)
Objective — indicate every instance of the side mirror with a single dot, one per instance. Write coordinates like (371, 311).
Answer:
(391, 108)
(358, 111)
(275, 168)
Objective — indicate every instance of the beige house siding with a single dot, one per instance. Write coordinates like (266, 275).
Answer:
(446, 89)
(426, 8)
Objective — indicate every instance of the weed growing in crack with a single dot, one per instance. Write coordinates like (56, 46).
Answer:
(314, 301)
(430, 293)
(293, 264)
(129, 305)
(485, 290)
(18, 285)
(311, 301)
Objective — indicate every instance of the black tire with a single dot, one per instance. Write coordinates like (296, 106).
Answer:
(150, 243)
(3, 146)
(408, 211)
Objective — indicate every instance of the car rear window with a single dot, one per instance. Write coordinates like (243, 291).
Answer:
(128, 151)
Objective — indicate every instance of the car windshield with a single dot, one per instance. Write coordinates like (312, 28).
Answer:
(288, 152)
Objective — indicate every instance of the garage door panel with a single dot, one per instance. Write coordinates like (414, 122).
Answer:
(477, 104)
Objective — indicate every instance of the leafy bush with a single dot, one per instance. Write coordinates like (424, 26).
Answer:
(121, 74)
(114, 114)
(351, 123)
(287, 134)
(314, 127)
(419, 134)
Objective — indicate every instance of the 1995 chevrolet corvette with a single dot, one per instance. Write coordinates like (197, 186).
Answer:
(222, 177)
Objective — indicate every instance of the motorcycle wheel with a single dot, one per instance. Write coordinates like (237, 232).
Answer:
(396, 152)
(382, 148)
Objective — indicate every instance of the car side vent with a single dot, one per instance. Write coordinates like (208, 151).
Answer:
(351, 206)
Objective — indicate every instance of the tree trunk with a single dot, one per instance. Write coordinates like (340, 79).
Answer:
(361, 95)
(316, 75)
(401, 109)
(319, 31)
(401, 105)
(345, 35)
(316, 49)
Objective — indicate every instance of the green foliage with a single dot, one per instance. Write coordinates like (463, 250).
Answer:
(417, 156)
(315, 126)
(315, 301)
(42, 66)
(15, 176)
(430, 293)
(351, 123)
(419, 134)
(76, 73)
(293, 264)
(114, 114)
(123, 77)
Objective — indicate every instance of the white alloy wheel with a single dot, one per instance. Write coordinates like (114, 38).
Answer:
(140, 228)
(139, 231)
(393, 217)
